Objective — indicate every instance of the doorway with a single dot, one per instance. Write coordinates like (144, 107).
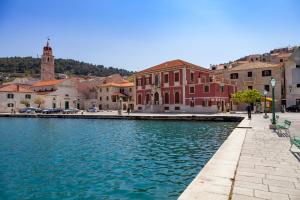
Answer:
(67, 105)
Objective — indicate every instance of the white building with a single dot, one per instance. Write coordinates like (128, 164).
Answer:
(12, 97)
(59, 94)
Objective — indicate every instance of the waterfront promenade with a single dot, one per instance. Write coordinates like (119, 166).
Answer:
(254, 163)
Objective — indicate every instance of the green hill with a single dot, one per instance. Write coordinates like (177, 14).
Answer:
(31, 66)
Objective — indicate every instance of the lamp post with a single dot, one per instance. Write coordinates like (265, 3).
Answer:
(265, 107)
(273, 83)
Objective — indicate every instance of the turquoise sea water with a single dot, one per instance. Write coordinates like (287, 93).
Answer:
(103, 159)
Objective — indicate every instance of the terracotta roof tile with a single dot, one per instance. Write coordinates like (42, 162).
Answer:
(47, 83)
(113, 84)
(171, 64)
(15, 88)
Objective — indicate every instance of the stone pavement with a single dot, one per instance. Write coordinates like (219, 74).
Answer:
(266, 168)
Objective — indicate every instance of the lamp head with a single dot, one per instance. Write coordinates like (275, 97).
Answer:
(273, 82)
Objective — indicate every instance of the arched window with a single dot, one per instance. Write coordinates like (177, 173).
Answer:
(139, 99)
(147, 98)
(166, 98)
(177, 98)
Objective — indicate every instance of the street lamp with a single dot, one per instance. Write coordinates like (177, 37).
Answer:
(273, 83)
(265, 107)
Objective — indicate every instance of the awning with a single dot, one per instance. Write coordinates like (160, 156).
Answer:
(267, 99)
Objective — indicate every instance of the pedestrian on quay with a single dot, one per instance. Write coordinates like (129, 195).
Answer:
(249, 108)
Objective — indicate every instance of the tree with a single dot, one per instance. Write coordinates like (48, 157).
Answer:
(39, 101)
(25, 102)
(247, 96)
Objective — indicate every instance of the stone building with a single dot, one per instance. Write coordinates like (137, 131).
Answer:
(292, 79)
(179, 86)
(256, 75)
(11, 97)
(110, 94)
(47, 64)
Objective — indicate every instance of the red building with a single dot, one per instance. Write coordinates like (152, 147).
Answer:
(180, 86)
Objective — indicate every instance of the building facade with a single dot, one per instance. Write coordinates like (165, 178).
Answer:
(13, 96)
(59, 94)
(292, 79)
(256, 75)
(115, 96)
(179, 86)
(47, 64)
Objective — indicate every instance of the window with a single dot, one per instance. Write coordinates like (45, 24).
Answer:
(250, 87)
(10, 96)
(156, 79)
(130, 89)
(66, 95)
(297, 66)
(222, 88)
(203, 79)
(107, 89)
(249, 74)
(166, 98)
(266, 73)
(206, 88)
(100, 90)
(114, 98)
(177, 108)
(177, 98)
(147, 81)
(27, 96)
(192, 76)
(213, 68)
(107, 98)
(166, 78)
(176, 76)
(166, 108)
(192, 90)
(281, 60)
(298, 85)
(139, 99)
(267, 88)
(100, 98)
(10, 105)
(234, 76)
(147, 98)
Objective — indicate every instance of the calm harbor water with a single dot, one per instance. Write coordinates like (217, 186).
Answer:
(103, 159)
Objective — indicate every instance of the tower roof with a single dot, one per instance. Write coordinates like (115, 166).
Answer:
(47, 47)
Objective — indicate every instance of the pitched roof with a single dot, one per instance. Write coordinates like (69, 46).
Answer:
(171, 64)
(253, 65)
(113, 84)
(47, 83)
(15, 88)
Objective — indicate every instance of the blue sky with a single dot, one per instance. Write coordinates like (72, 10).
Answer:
(135, 34)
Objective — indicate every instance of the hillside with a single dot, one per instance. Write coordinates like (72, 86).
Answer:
(31, 66)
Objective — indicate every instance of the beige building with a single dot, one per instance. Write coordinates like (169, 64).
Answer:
(256, 75)
(292, 79)
(110, 94)
(11, 97)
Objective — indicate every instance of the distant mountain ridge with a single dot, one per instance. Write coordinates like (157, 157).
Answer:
(31, 66)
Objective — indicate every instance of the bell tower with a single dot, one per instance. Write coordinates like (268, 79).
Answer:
(47, 64)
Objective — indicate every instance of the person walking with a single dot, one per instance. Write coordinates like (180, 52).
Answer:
(249, 111)
(128, 110)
